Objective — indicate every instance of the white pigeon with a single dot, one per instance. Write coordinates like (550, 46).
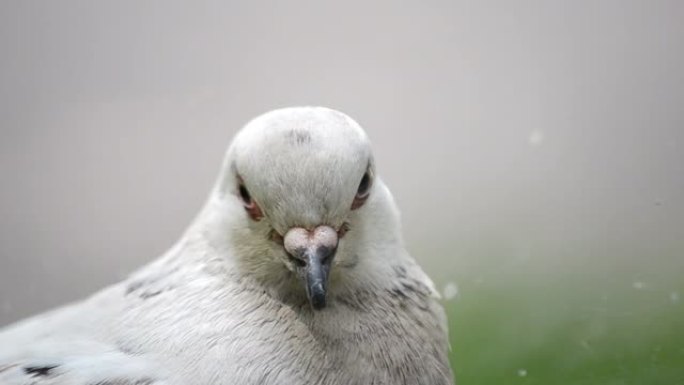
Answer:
(294, 272)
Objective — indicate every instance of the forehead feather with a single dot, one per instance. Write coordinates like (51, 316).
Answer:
(306, 160)
(301, 135)
(315, 128)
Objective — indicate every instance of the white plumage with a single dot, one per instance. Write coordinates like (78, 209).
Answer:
(294, 272)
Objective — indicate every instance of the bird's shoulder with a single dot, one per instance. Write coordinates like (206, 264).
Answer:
(70, 345)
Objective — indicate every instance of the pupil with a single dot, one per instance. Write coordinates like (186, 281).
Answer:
(363, 186)
(244, 194)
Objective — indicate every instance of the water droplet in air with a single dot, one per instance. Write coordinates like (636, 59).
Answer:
(638, 285)
(536, 138)
(522, 372)
(674, 297)
(450, 290)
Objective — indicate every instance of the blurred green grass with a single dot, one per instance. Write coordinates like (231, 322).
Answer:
(568, 328)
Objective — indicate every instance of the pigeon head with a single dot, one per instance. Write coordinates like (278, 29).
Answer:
(299, 182)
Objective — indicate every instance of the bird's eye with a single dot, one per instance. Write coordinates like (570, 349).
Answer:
(244, 194)
(364, 186)
(251, 206)
(363, 191)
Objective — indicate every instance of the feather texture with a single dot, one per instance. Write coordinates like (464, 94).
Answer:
(223, 307)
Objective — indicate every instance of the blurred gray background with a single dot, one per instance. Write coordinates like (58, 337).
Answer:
(527, 139)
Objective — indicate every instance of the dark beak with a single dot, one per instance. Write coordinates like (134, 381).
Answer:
(311, 253)
(316, 274)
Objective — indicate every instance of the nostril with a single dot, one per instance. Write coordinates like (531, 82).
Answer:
(327, 254)
(326, 260)
(296, 261)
